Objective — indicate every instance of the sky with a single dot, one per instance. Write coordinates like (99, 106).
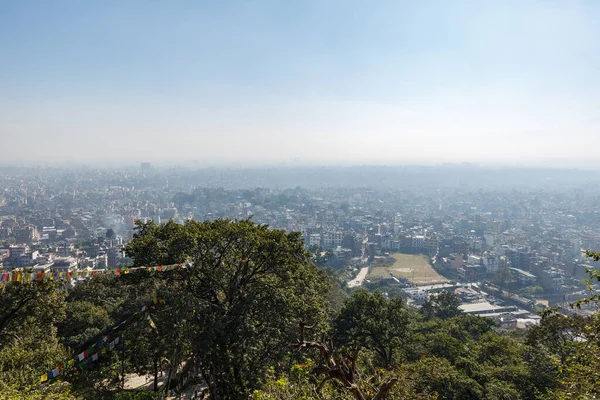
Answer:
(387, 82)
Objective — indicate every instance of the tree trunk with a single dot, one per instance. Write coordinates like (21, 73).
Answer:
(122, 363)
(155, 375)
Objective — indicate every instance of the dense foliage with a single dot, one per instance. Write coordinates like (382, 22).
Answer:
(254, 317)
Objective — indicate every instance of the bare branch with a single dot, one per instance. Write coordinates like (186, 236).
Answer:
(385, 388)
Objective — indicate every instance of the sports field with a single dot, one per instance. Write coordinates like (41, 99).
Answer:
(414, 267)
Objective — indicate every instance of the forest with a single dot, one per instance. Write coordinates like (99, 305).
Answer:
(249, 315)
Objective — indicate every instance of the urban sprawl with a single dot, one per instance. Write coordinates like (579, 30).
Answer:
(508, 253)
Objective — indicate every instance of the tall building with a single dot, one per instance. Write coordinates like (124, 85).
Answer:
(112, 257)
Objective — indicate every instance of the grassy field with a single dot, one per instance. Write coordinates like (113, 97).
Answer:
(414, 267)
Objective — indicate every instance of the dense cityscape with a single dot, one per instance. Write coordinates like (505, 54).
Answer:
(311, 200)
(509, 248)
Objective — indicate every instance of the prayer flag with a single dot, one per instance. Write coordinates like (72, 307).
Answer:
(152, 324)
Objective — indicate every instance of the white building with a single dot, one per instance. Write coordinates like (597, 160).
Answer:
(474, 260)
(314, 240)
(416, 294)
(418, 242)
(491, 264)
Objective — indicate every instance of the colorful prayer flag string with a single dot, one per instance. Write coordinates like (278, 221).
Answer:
(20, 276)
(90, 355)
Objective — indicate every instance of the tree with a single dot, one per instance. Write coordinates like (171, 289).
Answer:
(374, 322)
(577, 344)
(321, 258)
(84, 321)
(595, 255)
(341, 367)
(110, 233)
(443, 305)
(556, 333)
(29, 344)
(502, 277)
(166, 244)
(98, 304)
(22, 301)
(440, 376)
(248, 287)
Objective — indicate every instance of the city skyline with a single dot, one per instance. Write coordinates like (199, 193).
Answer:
(336, 83)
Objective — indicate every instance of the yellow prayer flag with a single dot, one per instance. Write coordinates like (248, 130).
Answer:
(71, 362)
(44, 378)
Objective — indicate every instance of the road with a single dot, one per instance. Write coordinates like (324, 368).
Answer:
(359, 278)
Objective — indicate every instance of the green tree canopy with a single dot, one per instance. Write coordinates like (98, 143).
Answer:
(443, 305)
(110, 233)
(374, 322)
(248, 287)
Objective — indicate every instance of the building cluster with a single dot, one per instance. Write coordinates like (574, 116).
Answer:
(527, 242)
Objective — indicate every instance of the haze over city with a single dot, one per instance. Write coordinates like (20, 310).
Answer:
(311, 82)
(311, 199)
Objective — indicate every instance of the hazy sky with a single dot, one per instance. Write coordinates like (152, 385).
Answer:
(327, 82)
